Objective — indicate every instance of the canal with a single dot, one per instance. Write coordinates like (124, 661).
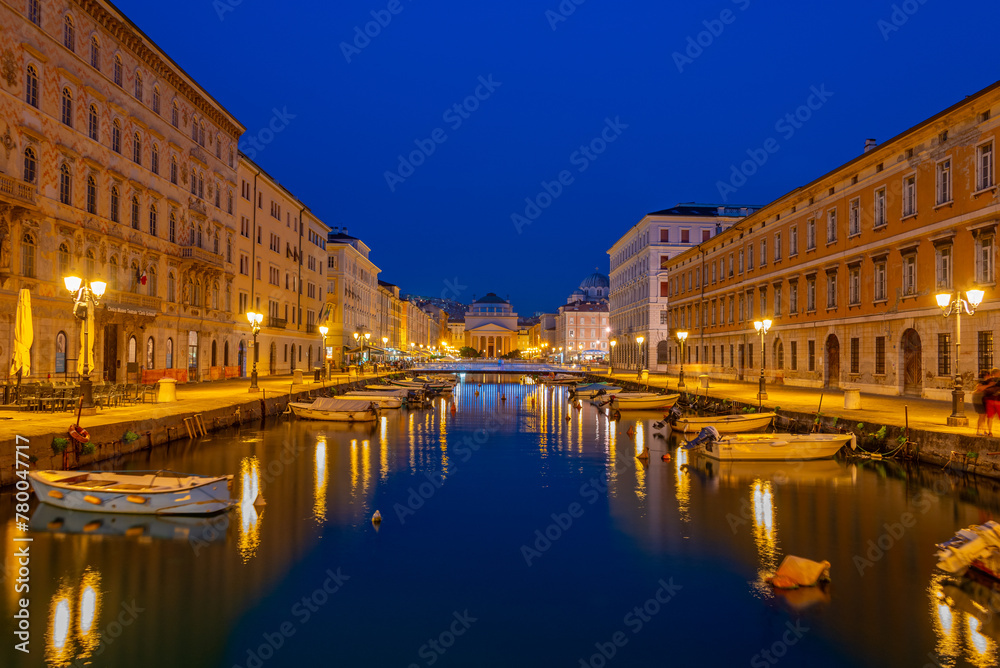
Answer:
(517, 530)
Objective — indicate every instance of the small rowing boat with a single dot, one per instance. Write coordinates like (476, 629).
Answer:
(591, 390)
(141, 493)
(383, 399)
(768, 447)
(643, 401)
(337, 410)
(725, 424)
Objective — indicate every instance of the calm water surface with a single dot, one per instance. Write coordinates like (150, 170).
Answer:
(516, 533)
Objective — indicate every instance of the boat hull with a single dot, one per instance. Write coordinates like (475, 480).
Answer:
(775, 447)
(305, 412)
(590, 394)
(382, 401)
(725, 424)
(656, 402)
(201, 496)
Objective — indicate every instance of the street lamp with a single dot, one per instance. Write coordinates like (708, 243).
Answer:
(255, 319)
(611, 358)
(762, 326)
(85, 298)
(326, 359)
(639, 364)
(681, 337)
(952, 303)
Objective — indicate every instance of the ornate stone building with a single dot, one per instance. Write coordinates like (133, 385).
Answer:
(115, 165)
(491, 326)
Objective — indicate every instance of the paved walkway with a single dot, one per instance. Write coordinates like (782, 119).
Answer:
(190, 396)
(876, 409)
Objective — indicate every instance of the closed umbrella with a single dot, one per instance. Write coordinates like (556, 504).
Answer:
(89, 324)
(20, 363)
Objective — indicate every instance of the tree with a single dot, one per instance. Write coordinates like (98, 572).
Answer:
(466, 351)
(513, 355)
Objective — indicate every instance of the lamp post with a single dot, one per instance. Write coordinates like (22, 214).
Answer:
(326, 360)
(952, 303)
(681, 337)
(611, 358)
(639, 364)
(85, 297)
(255, 319)
(762, 326)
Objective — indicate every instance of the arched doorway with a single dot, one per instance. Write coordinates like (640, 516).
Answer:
(241, 358)
(225, 354)
(832, 361)
(193, 354)
(214, 360)
(662, 352)
(910, 348)
(779, 355)
(490, 349)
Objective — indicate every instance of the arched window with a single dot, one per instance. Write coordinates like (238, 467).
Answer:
(30, 165)
(95, 53)
(113, 274)
(152, 288)
(229, 250)
(67, 107)
(218, 195)
(194, 129)
(215, 296)
(229, 203)
(172, 228)
(35, 12)
(198, 238)
(201, 134)
(116, 136)
(93, 123)
(28, 254)
(131, 350)
(194, 183)
(215, 243)
(154, 159)
(91, 195)
(170, 353)
(91, 264)
(69, 33)
(115, 205)
(65, 185)
(64, 260)
(193, 348)
(201, 185)
(174, 114)
(218, 146)
(138, 85)
(31, 86)
(135, 278)
(137, 149)
(230, 158)
(229, 299)
(150, 356)
(156, 99)
(152, 220)
(171, 288)
(135, 212)
(116, 70)
(61, 352)
(173, 170)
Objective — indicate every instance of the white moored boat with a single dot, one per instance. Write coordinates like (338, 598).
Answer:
(725, 424)
(383, 399)
(590, 391)
(145, 493)
(337, 410)
(768, 447)
(643, 401)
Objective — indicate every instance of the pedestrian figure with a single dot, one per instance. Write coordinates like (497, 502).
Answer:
(979, 401)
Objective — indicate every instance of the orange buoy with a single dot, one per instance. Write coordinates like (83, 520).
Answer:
(665, 458)
(453, 407)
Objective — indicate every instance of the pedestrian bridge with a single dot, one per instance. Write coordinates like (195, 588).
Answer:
(495, 366)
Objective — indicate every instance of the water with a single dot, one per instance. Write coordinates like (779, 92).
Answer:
(657, 564)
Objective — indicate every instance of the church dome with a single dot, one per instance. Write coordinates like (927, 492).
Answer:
(595, 280)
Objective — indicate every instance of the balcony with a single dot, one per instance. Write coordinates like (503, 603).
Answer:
(17, 189)
(201, 255)
(311, 328)
(276, 323)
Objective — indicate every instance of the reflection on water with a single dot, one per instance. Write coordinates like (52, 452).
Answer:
(764, 533)
(682, 483)
(964, 617)
(249, 518)
(74, 612)
(319, 506)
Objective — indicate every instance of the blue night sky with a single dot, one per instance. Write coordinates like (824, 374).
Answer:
(446, 229)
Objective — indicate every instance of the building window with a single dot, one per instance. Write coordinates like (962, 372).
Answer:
(116, 136)
(35, 12)
(685, 236)
(172, 228)
(30, 165)
(95, 53)
(777, 246)
(92, 123)
(152, 220)
(67, 107)
(984, 258)
(831, 226)
(811, 235)
(31, 86)
(174, 114)
(65, 185)
(150, 357)
(944, 355)
(880, 355)
(812, 355)
(91, 195)
(115, 205)
(944, 181)
(777, 301)
(793, 297)
(854, 288)
(855, 355)
(170, 354)
(171, 289)
(910, 275)
(156, 99)
(750, 257)
(113, 274)
(90, 263)
(854, 217)
(135, 212)
(28, 256)
(116, 70)
(138, 85)
(831, 289)
(154, 159)
(763, 252)
(811, 294)
(984, 166)
(69, 33)
(879, 208)
(880, 281)
(985, 350)
(173, 170)
(63, 259)
(739, 262)
(793, 349)
(730, 265)
(942, 267)
(137, 149)
(910, 195)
